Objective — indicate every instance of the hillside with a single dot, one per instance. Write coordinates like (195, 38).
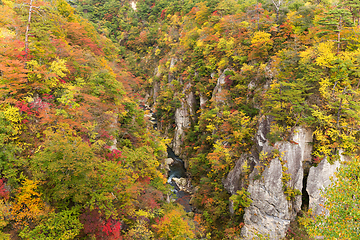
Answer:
(260, 99)
(242, 87)
(77, 158)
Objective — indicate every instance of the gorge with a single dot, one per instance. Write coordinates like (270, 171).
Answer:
(179, 119)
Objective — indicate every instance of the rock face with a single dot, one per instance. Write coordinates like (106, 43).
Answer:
(182, 117)
(188, 103)
(235, 179)
(133, 5)
(173, 61)
(113, 126)
(216, 95)
(234, 182)
(203, 101)
(319, 179)
(271, 212)
(182, 122)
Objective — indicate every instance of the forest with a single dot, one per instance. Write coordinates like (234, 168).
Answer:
(80, 158)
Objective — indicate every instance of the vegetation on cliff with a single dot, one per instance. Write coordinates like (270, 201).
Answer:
(295, 61)
(342, 218)
(77, 158)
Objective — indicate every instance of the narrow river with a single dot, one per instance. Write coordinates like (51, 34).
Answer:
(177, 170)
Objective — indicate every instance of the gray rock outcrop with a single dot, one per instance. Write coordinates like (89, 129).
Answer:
(318, 180)
(203, 100)
(272, 210)
(234, 180)
(182, 117)
(216, 95)
(173, 61)
(268, 214)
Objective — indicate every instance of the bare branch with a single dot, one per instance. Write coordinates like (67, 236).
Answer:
(27, 30)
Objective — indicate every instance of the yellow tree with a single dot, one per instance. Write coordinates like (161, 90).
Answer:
(261, 44)
(28, 206)
(174, 225)
(336, 119)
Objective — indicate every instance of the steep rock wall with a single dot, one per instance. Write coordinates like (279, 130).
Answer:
(216, 95)
(271, 210)
(184, 113)
(183, 118)
(269, 213)
(318, 180)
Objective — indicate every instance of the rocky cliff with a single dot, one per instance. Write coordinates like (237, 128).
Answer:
(183, 117)
(276, 182)
(272, 172)
(318, 179)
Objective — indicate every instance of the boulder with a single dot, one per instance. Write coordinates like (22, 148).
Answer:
(168, 162)
(183, 184)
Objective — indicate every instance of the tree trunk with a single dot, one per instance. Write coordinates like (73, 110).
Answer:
(339, 35)
(27, 31)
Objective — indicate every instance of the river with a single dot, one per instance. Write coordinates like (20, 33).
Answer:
(177, 170)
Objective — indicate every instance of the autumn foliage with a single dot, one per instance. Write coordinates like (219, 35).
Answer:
(77, 158)
(69, 130)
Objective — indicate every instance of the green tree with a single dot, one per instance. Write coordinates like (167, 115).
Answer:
(72, 172)
(63, 225)
(66, 166)
(354, 8)
(9, 129)
(336, 119)
(335, 21)
(241, 201)
(286, 99)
